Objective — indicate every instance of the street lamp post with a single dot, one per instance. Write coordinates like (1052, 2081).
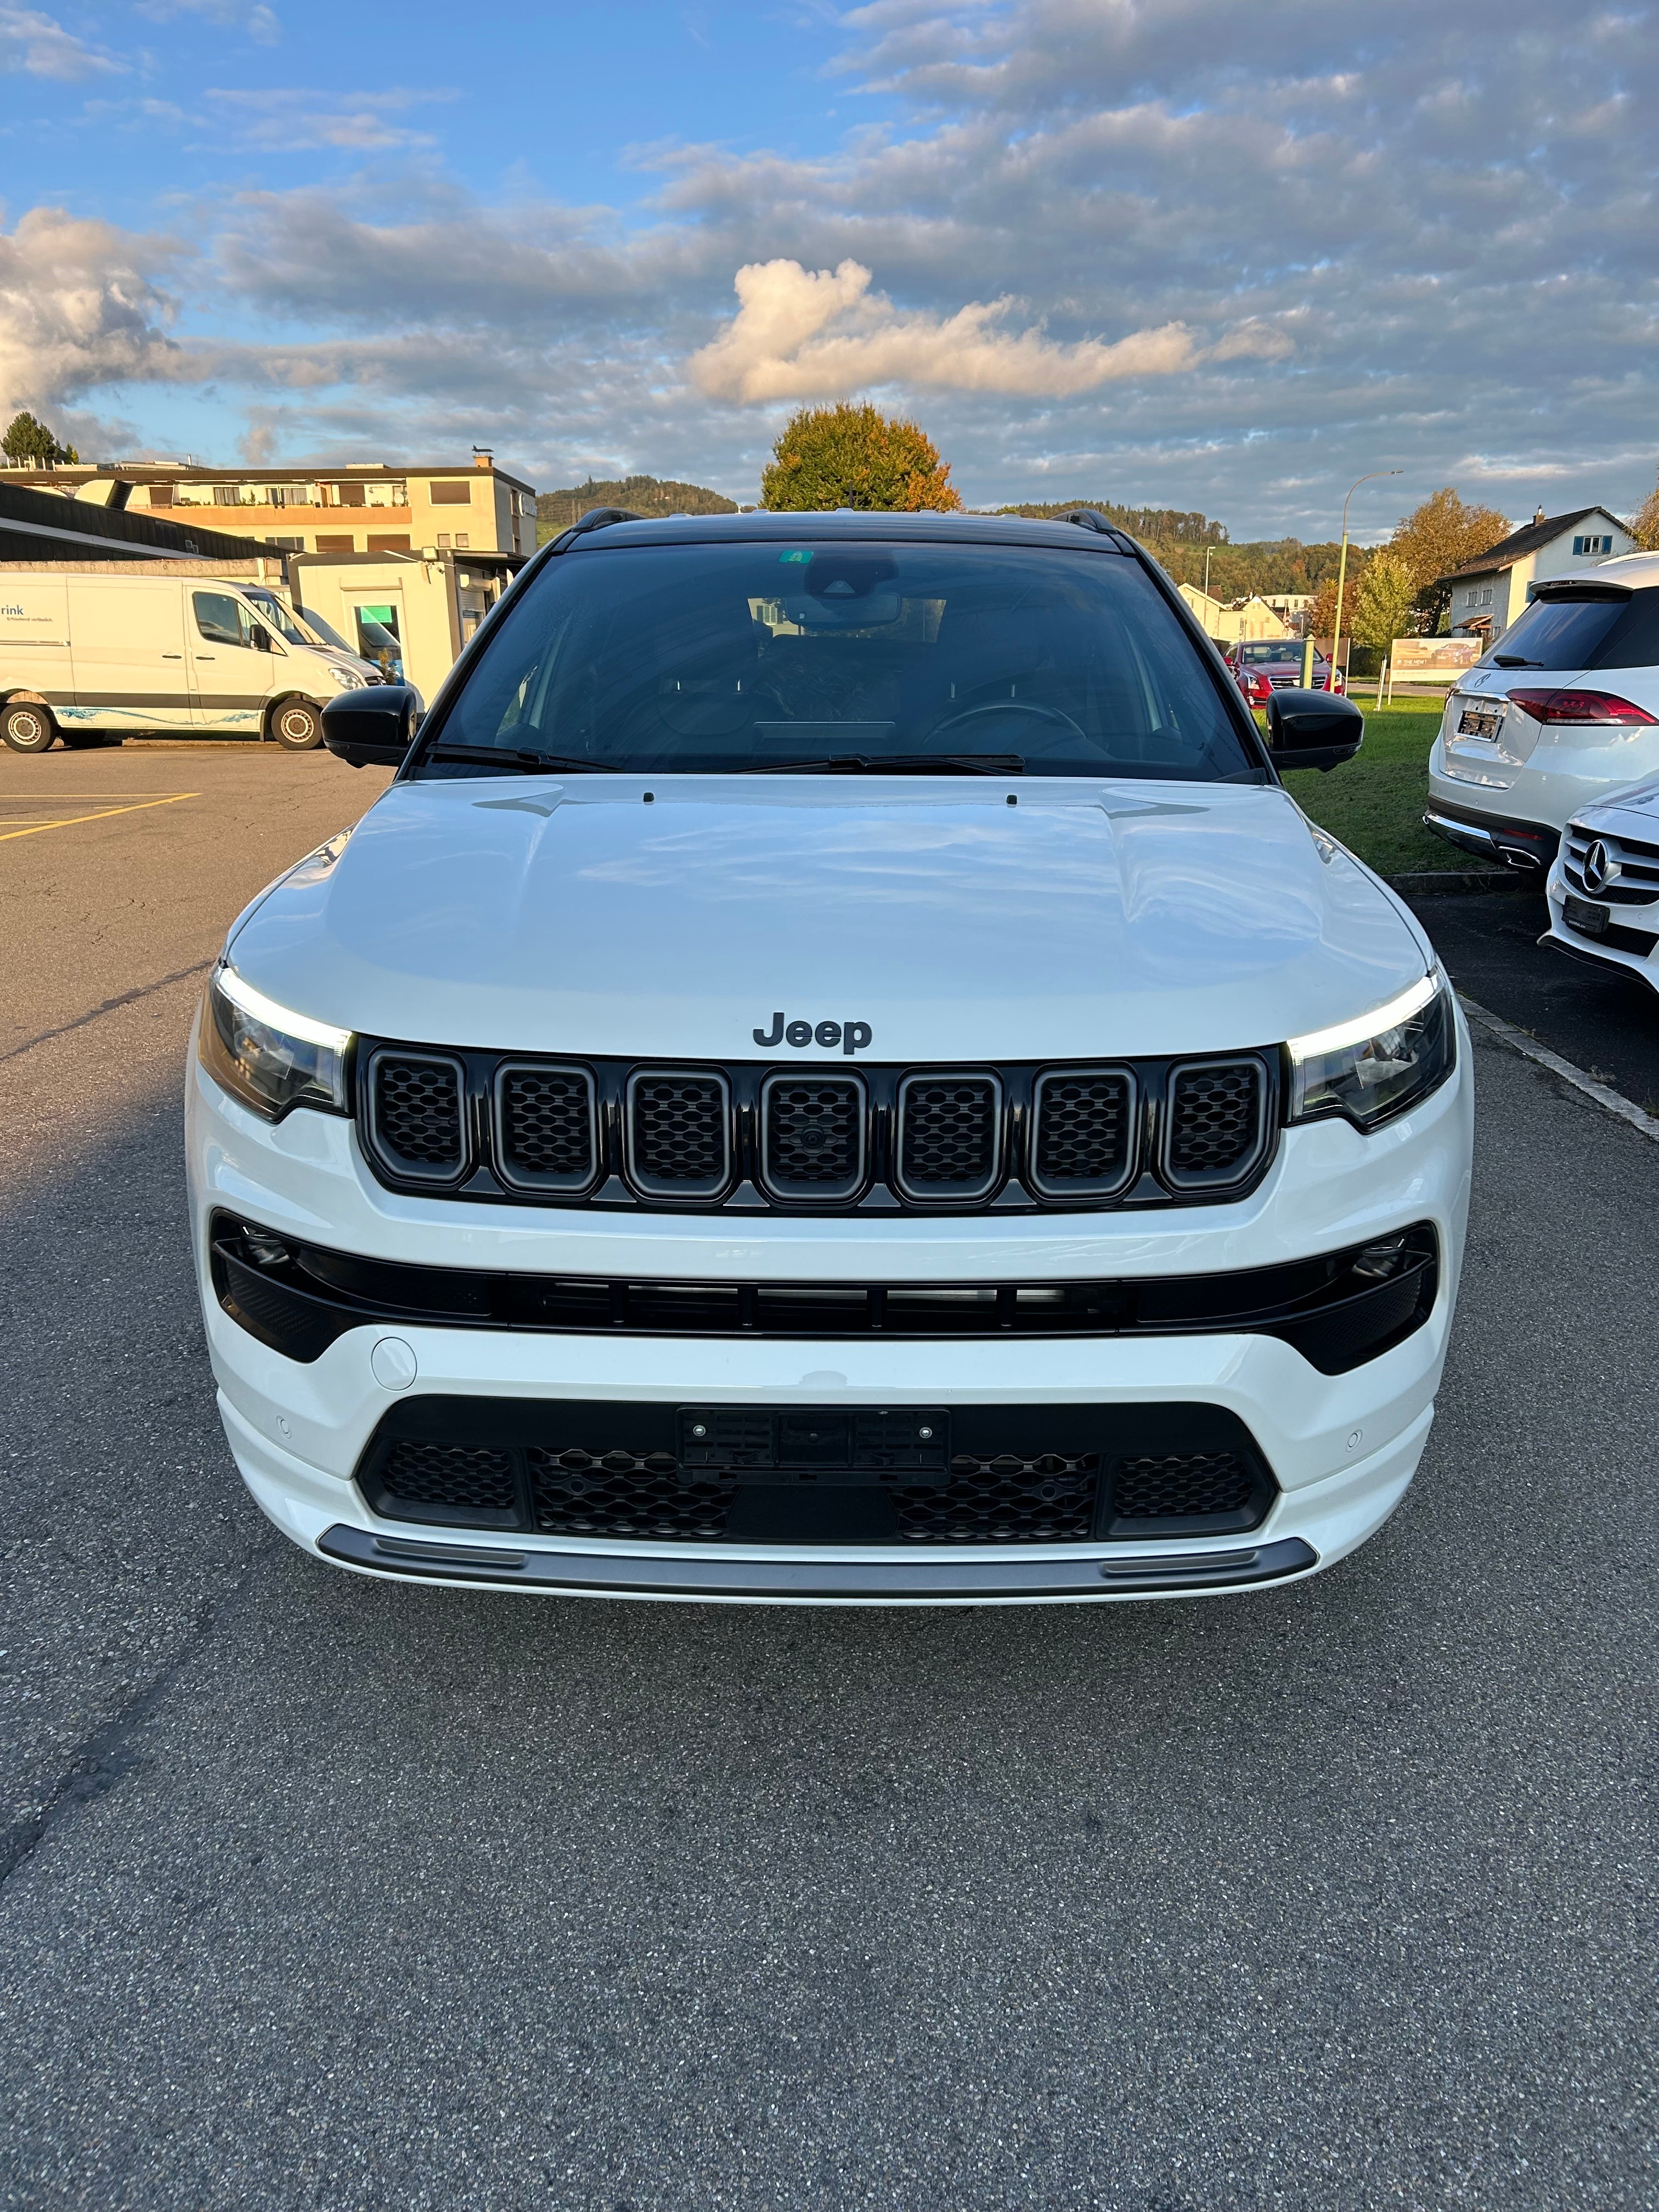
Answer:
(1342, 564)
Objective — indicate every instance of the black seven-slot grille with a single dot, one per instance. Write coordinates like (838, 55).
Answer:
(743, 1136)
(909, 1475)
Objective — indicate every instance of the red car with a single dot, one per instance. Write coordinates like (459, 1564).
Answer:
(1264, 666)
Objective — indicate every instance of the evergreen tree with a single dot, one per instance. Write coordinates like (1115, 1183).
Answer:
(30, 441)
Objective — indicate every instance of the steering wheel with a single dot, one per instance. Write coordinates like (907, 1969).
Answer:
(1054, 715)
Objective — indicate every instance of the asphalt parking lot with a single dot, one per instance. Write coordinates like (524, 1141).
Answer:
(326, 1893)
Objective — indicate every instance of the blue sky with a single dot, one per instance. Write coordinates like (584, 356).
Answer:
(1187, 253)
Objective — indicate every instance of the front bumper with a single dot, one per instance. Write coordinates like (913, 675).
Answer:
(1342, 1447)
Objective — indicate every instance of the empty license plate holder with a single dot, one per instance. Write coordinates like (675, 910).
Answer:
(833, 1445)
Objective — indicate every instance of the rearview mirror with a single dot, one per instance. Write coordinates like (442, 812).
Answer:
(374, 727)
(1312, 729)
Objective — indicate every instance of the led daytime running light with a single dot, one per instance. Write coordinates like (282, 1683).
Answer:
(255, 1003)
(1364, 1027)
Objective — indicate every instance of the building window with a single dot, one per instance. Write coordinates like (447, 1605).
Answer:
(349, 495)
(228, 495)
(1592, 546)
(450, 494)
(1486, 597)
(381, 542)
(387, 494)
(463, 540)
(336, 542)
(161, 495)
(443, 541)
(287, 545)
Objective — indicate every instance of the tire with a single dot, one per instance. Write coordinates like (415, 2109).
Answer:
(296, 726)
(27, 726)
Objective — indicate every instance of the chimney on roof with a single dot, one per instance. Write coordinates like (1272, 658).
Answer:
(483, 456)
(1539, 517)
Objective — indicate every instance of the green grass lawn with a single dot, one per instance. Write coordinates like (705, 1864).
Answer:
(1374, 803)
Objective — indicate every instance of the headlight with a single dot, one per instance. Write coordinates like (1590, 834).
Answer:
(269, 1058)
(349, 679)
(1375, 1067)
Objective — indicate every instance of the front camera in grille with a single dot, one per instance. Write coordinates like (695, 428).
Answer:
(680, 1132)
(950, 1136)
(813, 1135)
(1215, 1123)
(1083, 1138)
(416, 1114)
(546, 1126)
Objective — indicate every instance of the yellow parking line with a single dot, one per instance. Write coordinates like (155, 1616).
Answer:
(70, 821)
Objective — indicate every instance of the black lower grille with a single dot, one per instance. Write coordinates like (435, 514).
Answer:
(471, 1486)
(1179, 1484)
(1047, 1499)
(636, 1495)
(415, 1112)
(894, 1475)
(1216, 1122)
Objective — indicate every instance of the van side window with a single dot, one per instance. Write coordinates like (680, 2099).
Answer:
(221, 620)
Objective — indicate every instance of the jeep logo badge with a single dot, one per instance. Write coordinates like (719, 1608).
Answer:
(850, 1037)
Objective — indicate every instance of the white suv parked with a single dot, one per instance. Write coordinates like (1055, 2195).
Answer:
(836, 1073)
(1562, 711)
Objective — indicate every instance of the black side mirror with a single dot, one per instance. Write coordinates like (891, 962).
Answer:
(1312, 729)
(374, 727)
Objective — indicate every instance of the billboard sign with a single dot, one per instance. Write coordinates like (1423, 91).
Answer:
(1427, 658)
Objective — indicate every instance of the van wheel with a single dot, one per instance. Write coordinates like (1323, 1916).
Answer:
(297, 726)
(27, 726)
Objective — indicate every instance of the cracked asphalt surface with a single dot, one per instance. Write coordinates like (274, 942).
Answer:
(327, 1893)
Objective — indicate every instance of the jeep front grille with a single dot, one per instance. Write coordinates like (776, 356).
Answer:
(526, 1130)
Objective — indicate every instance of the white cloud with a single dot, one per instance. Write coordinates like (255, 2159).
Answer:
(39, 46)
(803, 335)
(290, 120)
(259, 23)
(81, 308)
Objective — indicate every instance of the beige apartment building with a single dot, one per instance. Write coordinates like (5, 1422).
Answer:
(362, 508)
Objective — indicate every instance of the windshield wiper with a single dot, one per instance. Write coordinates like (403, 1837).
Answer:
(528, 764)
(895, 764)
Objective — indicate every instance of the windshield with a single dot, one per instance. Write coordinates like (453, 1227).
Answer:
(711, 658)
(1559, 634)
(1279, 648)
(323, 632)
(284, 622)
(1567, 634)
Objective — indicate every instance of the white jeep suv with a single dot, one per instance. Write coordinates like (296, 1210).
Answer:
(835, 1072)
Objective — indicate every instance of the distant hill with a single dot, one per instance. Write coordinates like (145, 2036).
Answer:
(1166, 524)
(557, 510)
(1180, 543)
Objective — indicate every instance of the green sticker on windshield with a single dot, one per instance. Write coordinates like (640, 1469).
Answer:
(800, 555)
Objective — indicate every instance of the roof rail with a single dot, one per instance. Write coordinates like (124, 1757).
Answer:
(1090, 518)
(596, 518)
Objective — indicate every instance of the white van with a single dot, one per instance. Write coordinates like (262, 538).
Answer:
(87, 657)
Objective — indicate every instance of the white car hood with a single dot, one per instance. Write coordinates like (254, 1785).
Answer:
(1089, 918)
